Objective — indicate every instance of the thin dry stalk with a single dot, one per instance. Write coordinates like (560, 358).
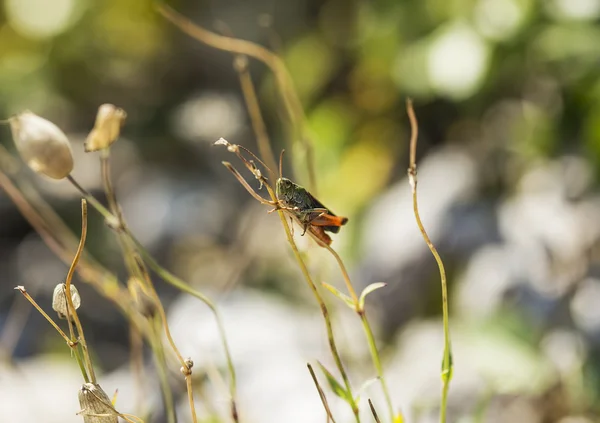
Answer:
(367, 328)
(168, 277)
(23, 291)
(59, 240)
(375, 416)
(136, 265)
(71, 308)
(412, 179)
(324, 310)
(258, 123)
(284, 82)
(321, 393)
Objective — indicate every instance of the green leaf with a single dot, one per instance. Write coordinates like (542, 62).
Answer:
(336, 387)
(340, 295)
(367, 291)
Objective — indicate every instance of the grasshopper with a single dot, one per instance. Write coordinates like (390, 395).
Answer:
(306, 209)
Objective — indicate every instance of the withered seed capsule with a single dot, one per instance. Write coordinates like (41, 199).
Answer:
(42, 145)
(59, 299)
(95, 405)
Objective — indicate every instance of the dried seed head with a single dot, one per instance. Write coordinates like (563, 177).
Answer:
(106, 129)
(43, 146)
(95, 405)
(59, 300)
(187, 369)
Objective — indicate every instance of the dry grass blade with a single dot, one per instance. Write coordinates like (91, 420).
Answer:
(321, 393)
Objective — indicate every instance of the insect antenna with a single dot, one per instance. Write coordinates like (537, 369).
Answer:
(281, 163)
(256, 157)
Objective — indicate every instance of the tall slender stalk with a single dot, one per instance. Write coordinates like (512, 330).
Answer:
(168, 277)
(324, 310)
(267, 156)
(367, 328)
(412, 179)
(285, 84)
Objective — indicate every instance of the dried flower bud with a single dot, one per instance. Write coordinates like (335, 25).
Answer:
(187, 369)
(59, 299)
(106, 129)
(43, 146)
(95, 405)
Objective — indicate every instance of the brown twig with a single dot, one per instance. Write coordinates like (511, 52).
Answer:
(237, 46)
(321, 393)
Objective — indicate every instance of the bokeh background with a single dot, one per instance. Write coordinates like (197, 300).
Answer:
(507, 93)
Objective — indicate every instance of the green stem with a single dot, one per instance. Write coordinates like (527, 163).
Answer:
(367, 327)
(324, 310)
(377, 362)
(412, 180)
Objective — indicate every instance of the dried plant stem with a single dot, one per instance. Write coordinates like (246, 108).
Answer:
(71, 308)
(321, 393)
(125, 243)
(291, 102)
(187, 371)
(367, 328)
(190, 395)
(23, 291)
(161, 369)
(59, 239)
(166, 276)
(258, 123)
(137, 266)
(324, 310)
(375, 416)
(412, 178)
(136, 361)
(72, 343)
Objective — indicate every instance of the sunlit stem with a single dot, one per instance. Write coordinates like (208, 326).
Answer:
(71, 308)
(72, 343)
(412, 178)
(367, 328)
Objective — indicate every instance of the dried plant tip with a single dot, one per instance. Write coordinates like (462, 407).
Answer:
(187, 369)
(95, 405)
(107, 128)
(42, 145)
(59, 300)
(222, 141)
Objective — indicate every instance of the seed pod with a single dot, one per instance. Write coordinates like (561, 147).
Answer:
(59, 299)
(95, 405)
(42, 145)
(106, 129)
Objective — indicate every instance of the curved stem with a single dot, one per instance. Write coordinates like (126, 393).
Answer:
(71, 308)
(324, 310)
(284, 81)
(166, 276)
